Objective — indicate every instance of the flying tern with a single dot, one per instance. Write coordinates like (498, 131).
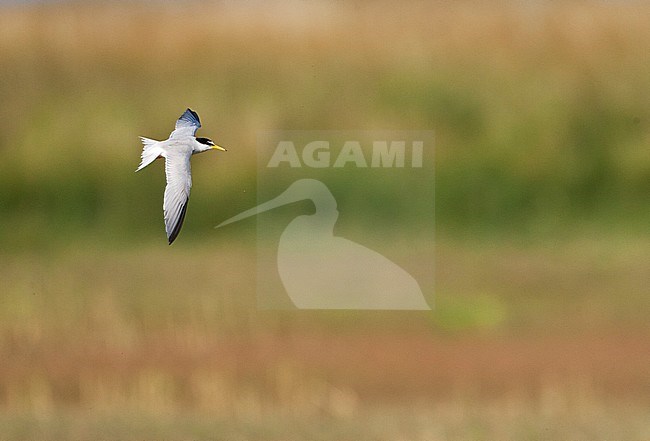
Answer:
(177, 150)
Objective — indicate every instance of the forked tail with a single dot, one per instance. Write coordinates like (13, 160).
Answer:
(150, 152)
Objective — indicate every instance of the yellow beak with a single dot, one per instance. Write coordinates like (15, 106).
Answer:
(218, 147)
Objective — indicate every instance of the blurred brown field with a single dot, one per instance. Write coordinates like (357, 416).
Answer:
(539, 330)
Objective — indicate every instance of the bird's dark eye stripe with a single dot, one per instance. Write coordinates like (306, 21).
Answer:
(205, 141)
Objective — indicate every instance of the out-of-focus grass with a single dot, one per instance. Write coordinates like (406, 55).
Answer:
(537, 335)
(541, 116)
(507, 419)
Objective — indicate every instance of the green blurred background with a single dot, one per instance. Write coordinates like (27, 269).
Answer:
(541, 112)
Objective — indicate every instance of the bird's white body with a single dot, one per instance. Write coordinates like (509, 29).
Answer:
(153, 149)
(177, 151)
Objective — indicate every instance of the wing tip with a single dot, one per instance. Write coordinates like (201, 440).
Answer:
(191, 116)
(179, 224)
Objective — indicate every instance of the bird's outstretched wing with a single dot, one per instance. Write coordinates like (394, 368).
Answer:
(177, 192)
(187, 124)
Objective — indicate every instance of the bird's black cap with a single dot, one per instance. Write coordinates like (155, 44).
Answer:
(206, 141)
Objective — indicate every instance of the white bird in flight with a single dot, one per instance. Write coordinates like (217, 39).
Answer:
(177, 151)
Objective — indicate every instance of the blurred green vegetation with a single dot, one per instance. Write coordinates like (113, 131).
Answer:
(540, 128)
(542, 120)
